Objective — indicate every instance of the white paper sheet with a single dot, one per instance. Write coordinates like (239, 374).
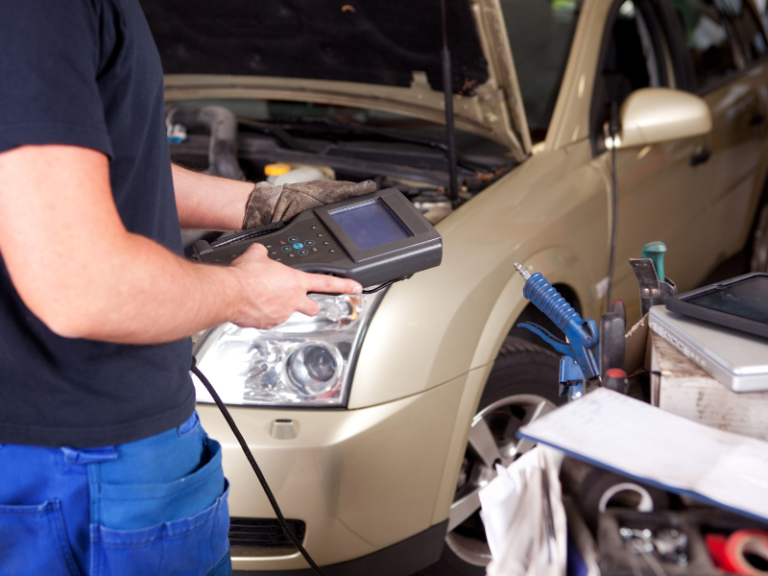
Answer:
(637, 439)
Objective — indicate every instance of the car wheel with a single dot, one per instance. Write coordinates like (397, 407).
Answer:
(758, 260)
(521, 387)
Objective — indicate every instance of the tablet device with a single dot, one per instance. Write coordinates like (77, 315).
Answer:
(740, 303)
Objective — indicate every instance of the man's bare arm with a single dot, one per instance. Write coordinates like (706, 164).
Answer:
(208, 202)
(82, 273)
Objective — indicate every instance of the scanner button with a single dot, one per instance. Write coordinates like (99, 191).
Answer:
(309, 243)
(298, 246)
(278, 260)
(314, 227)
(286, 248)
(331, 250)
(291, 255)
(303, 252)
(314, 249)
(319, 235)
(326, 243)
(293, 239)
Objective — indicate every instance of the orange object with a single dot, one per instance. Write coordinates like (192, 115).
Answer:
(741, 543)
(276, 169)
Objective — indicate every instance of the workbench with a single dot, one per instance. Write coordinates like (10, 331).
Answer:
(681, 387)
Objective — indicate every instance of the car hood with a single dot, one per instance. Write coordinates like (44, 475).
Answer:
(371, 53)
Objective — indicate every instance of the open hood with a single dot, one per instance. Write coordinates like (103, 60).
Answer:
(369, 53)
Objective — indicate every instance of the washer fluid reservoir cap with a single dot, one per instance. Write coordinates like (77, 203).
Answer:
(276, 169)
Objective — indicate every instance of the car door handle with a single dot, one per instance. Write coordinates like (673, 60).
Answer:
(757, 119)
(701, 156)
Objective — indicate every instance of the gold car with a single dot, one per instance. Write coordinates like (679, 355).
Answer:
(377, 422)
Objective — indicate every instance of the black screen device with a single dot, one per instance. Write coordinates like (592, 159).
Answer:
(373, 239)
(740, 303)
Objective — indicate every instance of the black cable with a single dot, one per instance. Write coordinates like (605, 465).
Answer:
(280, 518)
(613, 128)
(381, 287)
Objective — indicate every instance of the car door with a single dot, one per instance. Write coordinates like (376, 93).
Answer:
(728, 51)
(662, 186)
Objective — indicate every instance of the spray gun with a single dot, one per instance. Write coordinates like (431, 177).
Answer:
(580, 349)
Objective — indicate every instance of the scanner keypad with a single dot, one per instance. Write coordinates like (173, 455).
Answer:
(304, 242)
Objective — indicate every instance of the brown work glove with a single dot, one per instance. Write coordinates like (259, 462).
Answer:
(269, 203)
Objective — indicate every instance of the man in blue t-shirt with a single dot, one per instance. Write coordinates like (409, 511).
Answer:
(104, 468)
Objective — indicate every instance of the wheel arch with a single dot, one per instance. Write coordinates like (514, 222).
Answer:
(563, 269)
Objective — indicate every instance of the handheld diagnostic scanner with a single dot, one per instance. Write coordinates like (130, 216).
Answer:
(373, 239)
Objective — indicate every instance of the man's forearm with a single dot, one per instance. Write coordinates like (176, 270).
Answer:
(139, 293)
(85, 276)
(209, 202)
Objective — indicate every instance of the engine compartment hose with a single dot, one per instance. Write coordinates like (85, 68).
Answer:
(222, 148)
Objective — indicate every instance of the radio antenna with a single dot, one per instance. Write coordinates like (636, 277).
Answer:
(453, 185)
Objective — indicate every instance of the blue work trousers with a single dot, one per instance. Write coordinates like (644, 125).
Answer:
(154, 507)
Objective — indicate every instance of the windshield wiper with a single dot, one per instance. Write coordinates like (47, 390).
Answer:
(278, 133)
(326, 125)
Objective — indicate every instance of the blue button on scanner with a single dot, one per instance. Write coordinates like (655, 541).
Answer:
(298, 246)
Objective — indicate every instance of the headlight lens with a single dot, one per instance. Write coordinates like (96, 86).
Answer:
(305, 361)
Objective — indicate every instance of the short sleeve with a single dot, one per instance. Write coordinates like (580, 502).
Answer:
(49, 65)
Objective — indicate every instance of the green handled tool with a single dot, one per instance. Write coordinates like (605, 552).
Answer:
(655, 251)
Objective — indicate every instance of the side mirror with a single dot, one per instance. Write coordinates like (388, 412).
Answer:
(653, 115)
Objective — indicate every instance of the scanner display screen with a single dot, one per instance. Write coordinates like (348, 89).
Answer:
(369, 224)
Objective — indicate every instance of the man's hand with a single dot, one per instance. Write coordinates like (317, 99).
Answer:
(212, 203)
(84, 275)
(273, 290)
(270, 203)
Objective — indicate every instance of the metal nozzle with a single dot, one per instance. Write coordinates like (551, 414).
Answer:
(523, 271)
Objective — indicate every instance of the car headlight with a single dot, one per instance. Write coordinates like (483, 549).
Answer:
(304, 361)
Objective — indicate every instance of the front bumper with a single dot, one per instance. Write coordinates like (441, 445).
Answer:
(362, 480)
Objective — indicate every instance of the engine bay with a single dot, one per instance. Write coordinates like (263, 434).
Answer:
(333, 145)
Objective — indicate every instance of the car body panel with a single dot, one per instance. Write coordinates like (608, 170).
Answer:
(571, 117)
(445, 310)
(346, 473)
(738, 142)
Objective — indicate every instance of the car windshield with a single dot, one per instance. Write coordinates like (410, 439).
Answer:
(540, 34)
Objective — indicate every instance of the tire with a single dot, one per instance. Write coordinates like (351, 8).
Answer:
(521, 386)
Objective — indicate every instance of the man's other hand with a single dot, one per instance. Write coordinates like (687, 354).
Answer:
(273, 291)
(269, 203)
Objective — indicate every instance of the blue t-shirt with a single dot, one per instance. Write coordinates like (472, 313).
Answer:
(87, 73)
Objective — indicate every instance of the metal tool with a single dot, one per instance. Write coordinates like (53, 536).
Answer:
(612, 346)
(670, 544)
(655, 288)
(580, 349)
